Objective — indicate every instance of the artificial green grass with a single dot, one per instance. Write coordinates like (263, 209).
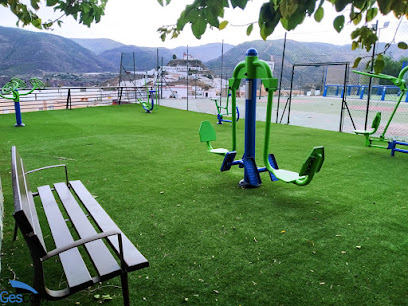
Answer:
(340, 240)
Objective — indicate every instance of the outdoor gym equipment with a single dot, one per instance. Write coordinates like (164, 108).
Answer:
(381, 141)
(148, 107)
(13, 87)
(252, 69)
(153, 95)
(220, 108)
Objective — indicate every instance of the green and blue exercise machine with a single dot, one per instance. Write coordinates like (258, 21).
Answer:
(151, 94)
(223, 111)
(12, 88)
(381, 141)
(252, 69)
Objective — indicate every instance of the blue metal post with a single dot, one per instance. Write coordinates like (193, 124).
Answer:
(17, 110)
(325, 91)
(384, 91)
(362, 92)
(250, 118)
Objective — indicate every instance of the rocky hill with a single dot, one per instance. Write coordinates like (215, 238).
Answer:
(24, 52)
(97, 45)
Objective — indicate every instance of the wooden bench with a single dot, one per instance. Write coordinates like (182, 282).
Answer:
(75, 199)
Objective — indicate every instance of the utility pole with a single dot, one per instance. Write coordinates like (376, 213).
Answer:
(187, 77)
(222, 64)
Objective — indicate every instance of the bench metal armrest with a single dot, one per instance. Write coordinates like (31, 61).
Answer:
(83, 241)
(49, 167)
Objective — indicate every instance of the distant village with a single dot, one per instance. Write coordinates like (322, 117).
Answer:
(173, 80)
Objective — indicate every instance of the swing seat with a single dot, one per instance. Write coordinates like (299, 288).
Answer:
(207, 134)
(286, 175)
(220, 151)
(312, 165)
(374, 126)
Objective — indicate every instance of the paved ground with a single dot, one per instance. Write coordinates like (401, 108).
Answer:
(316, 112)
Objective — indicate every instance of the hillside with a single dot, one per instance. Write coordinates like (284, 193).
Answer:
(203, 53)
(145, 58)
(24, 52)
(296, 52)
(97, 45)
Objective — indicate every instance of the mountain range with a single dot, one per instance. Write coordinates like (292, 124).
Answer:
(24, 52)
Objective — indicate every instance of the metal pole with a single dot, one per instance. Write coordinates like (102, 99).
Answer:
(161, 80)
(343, 100)
(290, 96)
(157, 59)
(134, 69)
(370, 80)
(222, 66)
(280, 78)
(187, 77)
(120, 68)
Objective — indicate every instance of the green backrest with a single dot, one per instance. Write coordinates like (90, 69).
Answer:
(376, 121)
(314, 162)
(207, 132)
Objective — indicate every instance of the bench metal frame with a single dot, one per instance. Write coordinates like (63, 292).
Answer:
(26, 218)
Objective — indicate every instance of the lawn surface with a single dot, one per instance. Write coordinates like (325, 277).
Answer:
(340, 240)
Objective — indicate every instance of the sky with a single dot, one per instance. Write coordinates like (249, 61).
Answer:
(135, 22)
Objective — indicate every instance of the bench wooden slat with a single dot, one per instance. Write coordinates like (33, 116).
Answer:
(102, 258)
(133, 258)
(78, 277)
(23, 197)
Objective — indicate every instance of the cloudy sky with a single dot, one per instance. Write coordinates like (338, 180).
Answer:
(135, 22)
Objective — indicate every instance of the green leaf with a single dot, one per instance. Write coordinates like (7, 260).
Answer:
(223, 25)
(160, 2)
(318, 16)
(371, 13)
(385, 6)
(287, 8)
(379, 64)
(199, 27)
(356, 62)
(52, 2)
(34, 4)
(357, 19)
(249, 29)
(268, 19)
(341, 4)
(402, 45)
(355, 33)
(338, 23)
(294, 20)
(360, 3)
(37, 23)
(240, 3)
(354, 45)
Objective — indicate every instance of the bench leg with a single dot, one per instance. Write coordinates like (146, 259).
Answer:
(15, 231)
(35, 300)
(125, 288)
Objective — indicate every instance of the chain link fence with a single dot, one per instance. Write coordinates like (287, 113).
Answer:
(317, 85)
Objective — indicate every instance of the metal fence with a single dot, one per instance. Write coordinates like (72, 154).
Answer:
(74, 97)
